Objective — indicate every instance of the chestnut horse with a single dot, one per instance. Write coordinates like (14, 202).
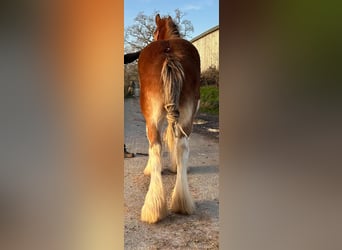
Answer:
(169, 72)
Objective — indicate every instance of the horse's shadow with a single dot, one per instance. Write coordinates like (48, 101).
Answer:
(205, 210)
(202, 170)
(192, 170)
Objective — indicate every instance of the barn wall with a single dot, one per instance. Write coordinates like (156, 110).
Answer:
(207, 45)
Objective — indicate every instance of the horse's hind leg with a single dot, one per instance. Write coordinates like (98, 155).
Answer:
(154, 208)
(181, 198)
(188, 111)
(147, 170)
(173, 158)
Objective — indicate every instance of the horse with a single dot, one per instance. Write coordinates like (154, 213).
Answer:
(169, 73)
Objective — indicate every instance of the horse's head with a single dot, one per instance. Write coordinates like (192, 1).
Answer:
(166, 29)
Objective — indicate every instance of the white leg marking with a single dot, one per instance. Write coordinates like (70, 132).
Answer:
(181, 198)
(154, 208)
(147, 170)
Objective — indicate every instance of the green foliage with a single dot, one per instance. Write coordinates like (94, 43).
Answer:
(209, 99)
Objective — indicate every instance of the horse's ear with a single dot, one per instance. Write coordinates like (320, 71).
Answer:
(169, 18)
(157, 18)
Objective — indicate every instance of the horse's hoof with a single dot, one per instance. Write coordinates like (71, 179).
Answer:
(182, 206)
(153, 216)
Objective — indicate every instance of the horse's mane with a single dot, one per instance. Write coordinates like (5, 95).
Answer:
(172, 29)
(167, 28)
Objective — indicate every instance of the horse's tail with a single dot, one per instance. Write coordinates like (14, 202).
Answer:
(172, 76)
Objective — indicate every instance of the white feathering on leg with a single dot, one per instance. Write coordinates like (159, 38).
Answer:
(181, 198)
(154, 208)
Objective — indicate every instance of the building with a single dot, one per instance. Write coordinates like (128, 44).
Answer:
(207, 45)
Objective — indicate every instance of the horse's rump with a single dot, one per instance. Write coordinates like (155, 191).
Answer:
(153, 56)
(169, 72)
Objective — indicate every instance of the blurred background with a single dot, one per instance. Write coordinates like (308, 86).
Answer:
(280, 124)
(61, 173)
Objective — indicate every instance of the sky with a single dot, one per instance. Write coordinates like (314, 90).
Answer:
(203, 14)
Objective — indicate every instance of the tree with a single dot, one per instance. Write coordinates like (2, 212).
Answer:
(140, 34)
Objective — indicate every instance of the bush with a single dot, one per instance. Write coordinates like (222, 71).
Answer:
(210, 77)
(209, 100)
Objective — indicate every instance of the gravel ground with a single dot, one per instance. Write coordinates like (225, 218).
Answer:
(197, 231)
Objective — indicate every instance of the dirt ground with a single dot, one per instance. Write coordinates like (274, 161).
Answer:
(197, 231)
(207, 125)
